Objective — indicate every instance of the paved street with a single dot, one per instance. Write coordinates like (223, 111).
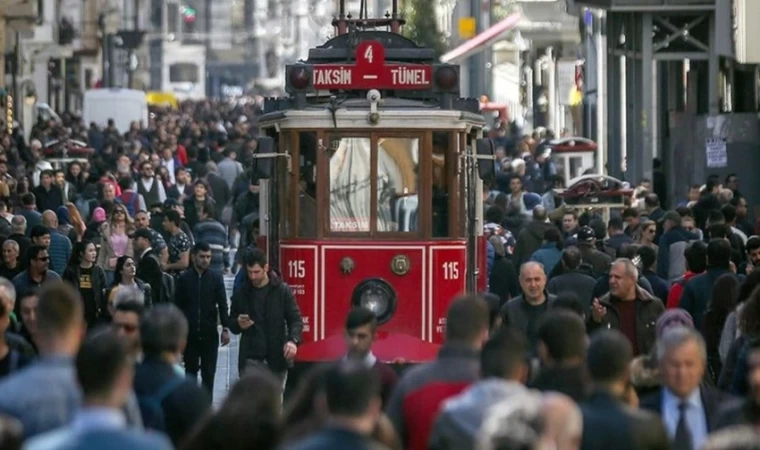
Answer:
(226, 365)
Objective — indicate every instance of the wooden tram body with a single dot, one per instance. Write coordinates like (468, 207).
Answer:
(370, 178)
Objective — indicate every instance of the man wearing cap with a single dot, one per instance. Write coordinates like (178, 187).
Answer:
(671, 262)
(599, 261)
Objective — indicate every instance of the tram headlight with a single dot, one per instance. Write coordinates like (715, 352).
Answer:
(299, 76)
(447, 78)
(377, 296)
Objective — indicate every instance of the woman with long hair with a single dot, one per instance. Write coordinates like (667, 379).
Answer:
(748, 325)
(730, 330)
(89, 279)
(250, 417)
(115, 239)
(648, 234)
(125, 275)
(77, 223)
(722, 302)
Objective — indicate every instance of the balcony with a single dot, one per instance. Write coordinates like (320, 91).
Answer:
(650, 5)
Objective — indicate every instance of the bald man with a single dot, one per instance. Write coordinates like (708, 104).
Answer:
(60, 245)
(524, 312)
(563, 421)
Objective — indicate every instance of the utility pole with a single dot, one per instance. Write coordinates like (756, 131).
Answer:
(131, 52)
(3, 23)
(476, 62)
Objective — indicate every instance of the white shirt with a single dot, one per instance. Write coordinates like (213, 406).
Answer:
(148, 185)
(369, 360)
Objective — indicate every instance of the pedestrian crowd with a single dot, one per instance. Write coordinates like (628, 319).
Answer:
(635, 333)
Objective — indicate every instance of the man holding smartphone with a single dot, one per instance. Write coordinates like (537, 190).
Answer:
(265, 312)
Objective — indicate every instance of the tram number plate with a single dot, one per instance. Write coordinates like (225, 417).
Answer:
(371, 72)
(338, 76)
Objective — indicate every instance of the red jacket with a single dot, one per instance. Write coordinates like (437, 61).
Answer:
(674, 296)
(421, 392)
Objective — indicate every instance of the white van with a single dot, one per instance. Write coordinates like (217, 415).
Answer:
(124, 106)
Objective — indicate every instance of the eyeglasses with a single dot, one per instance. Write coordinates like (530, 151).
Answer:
(118, 211)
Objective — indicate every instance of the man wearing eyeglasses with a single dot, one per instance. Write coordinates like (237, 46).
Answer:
(37, 273)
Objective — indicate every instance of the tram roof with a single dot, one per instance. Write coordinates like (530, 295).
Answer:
(394, 114)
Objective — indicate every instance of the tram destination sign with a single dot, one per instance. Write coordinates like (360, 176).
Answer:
(371, 72)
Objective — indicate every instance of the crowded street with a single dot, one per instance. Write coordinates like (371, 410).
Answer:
(368, 225)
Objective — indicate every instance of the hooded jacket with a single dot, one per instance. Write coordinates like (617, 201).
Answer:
(461, 417)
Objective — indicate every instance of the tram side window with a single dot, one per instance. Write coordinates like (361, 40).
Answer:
(397, 173)
(307, 184)
(441, 183)
(350, 184)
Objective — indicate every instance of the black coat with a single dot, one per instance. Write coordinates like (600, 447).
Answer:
(284, 322)
(648, 310)
(571, 381)
(149, 270)
(712, 400)
(71, 274)
(203, 299)
(609, 424)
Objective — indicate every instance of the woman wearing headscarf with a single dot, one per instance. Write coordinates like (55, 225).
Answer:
(645, 376)
(64, 224)
(93, 233)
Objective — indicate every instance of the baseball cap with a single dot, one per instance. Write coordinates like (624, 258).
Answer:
(170, 202)
(672, 216)
(586, 233)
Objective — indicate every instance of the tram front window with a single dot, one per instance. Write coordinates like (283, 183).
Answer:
(350, 185)
(397, 184)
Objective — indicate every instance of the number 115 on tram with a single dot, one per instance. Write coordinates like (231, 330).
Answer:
(370, 175)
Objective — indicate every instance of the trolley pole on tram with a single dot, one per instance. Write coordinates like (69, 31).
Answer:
(477, 60)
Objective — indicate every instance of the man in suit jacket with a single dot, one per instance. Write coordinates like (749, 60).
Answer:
(148, 265)
(104, 371)
(687, 408)
(607, 421)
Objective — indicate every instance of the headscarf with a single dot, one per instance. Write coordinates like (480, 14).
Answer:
(672, 318)
(63, 215)
(99, 215)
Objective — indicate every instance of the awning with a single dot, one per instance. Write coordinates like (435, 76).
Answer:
(483, 40)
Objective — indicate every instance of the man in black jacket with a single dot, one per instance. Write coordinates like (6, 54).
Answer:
(201, 295)
(265, 312)
(607, 421)
(524, 312)
(148, 265)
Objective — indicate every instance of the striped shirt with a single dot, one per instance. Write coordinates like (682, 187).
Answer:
(214, 234)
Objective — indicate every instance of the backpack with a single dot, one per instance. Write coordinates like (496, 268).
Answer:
(151, 407)
(130, 204)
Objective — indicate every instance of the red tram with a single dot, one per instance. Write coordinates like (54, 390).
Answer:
(370, 174)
